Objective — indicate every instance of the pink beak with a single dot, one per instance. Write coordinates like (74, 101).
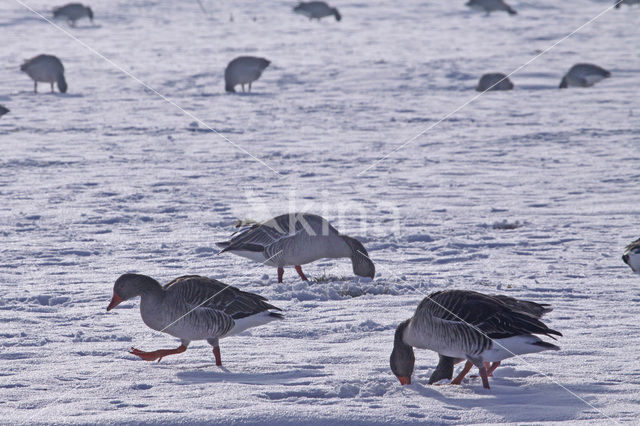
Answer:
(115, 301)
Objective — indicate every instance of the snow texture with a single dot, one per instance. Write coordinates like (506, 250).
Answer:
(532, 193)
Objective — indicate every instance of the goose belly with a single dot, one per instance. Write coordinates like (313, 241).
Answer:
(43, 72)
(245, 74)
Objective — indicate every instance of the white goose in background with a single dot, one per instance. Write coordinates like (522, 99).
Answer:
(72, 12)
(631, 256)
(464, 324)
(47, 68)
(494, 81)
(192, 308)
(583, 75)
(296, 239)
(316, 10)
(489, 6)
(243, 70)
(444, 369)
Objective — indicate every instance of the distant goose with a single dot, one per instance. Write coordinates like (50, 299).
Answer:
(192, 308)
(583, 75)
(45, 68)
(444, 369)
(243, 70)
(498, 79)
(467, 325)
(72, 12)
(627, 2)
(631, 256)
(491, 6)
(296, 239)
(316, 10)
(3, 110)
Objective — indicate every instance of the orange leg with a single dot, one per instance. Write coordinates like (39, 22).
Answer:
(159, 354)
(462, 374)
(483, 375)
(491, 369)
(302, 275)
(216, 353)
(280, 274)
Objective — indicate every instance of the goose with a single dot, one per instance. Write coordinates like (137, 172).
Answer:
(463, 324)
(3, 110)
(72, 12)
(583, 75)
(631, 256)
(317, 10)
(494, 81)
(491, 6)
(192, 307)
(47, 68)
(243, 70)
(444, 369)
(627, 2)
(295, 239)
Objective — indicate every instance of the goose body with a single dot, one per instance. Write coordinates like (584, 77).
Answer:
(489, 6)
(494, 81)
(72, 12)
(296, 239)
(45, 68)
(316, 10)
(631, 256)
(583, 75)
(243, 70)
(627, 2)
(3, 110)
(192, 307)
(467, 325)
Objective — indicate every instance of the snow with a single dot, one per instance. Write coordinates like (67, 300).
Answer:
(532, 193)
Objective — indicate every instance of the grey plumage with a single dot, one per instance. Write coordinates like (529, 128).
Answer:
(627, 2)
(583, 75)
(73, 12)
(491, 6)
(317, 10)
(243, 70)
(3, 110)
(631, 256)
(46, 68)
(494, 81)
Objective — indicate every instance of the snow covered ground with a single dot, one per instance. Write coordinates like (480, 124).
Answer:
(531, 193)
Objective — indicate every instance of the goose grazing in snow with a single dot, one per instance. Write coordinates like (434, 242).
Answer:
(490, 6)
(463, 324)
(243, 70)
(631, 256)
(444, 369)
(316, 10)
(494, 81)
(47, 68)
(72, 12)
(627, 2)
(3, 110)
(295, 239)
(192, 308)
(583, 75)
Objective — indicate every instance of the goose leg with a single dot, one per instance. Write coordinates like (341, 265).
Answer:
(462, 374)
(35, 87)
(216, 353)
(159, 354)
(249, 87)
(483, 375)
(491, 369)
(51, 87)
(280, 274)
(302, 275)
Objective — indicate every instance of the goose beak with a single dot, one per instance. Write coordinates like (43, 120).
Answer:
(115, 301)
(404, 380)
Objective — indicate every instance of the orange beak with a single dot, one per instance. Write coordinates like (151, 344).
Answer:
(404, 380)
(115, 301)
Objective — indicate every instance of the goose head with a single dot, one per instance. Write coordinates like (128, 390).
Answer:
(129, 286)
(336, 14)
(362, 264)
(89, 13)
(402, 358)
(631, 256)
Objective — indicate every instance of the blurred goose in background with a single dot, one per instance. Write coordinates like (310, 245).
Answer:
(494, 81)
(296, 239)
(243, 70)
(627, 2)
(583, 75)
(463, 324)
(192, 307)
(46, 68)
(444, 369)
(491, 6)
(631, 256)
(3, 110)
(316, 10)
(72, 12)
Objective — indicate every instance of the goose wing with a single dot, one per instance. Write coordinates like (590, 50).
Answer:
(632, 246)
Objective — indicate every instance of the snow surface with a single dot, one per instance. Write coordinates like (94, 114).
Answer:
(532, 193)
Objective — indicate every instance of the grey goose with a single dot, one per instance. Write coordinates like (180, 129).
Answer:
(489, 6)
(72, 12)
(45, 68)
(583, 75)
(295, 239)
(316, 10)
(243, 70)
(494, 81)
(631, 256)
(463, 324)
(192, 307)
